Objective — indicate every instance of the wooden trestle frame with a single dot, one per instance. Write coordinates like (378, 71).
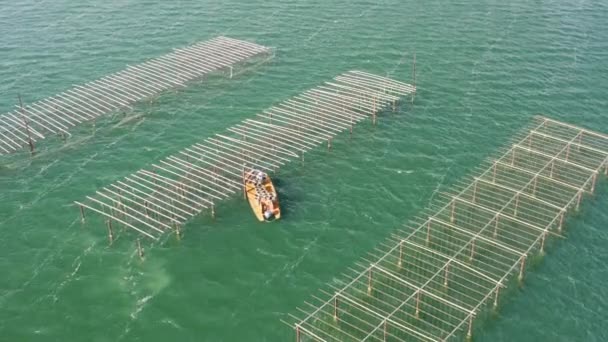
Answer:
(56, 115)
(430, 281)
(166, 195)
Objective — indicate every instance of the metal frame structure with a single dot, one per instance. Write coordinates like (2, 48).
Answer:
(428, 282)
(58, 114)
(164, 196)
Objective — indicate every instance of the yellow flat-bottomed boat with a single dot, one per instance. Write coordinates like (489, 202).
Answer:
(262, 196)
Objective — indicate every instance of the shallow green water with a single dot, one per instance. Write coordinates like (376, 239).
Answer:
(484, 69)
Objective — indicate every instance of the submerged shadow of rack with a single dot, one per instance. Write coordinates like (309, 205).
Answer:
(163, 197)
(429, 282)
(58, 114)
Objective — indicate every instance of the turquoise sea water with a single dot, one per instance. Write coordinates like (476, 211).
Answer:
(484, 69)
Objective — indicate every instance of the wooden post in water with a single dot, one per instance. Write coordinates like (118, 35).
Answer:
(82, 213)
(474, 191)
(30, 142)
(417, 303)
(146, 209)
(542, 243)
(336, 307)
(470, 330)
(385, 330)
(110, 231)
(414, 77)
(452, 218)
(244, 183)
(447, 274)
(374, 113)
(140, 250)
(400, 262)
(178, 233)
(472, 250)
(369, 282)
(522, 268)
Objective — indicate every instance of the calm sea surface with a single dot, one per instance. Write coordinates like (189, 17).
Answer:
(485, 68)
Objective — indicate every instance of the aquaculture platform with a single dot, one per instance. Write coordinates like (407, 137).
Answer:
(428, 282)
(26, 125)
(167, 194)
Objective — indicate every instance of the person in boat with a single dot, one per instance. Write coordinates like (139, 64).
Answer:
(268, 208)
(260, 177)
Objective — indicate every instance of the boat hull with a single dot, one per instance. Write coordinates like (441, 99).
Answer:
(254, 202)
